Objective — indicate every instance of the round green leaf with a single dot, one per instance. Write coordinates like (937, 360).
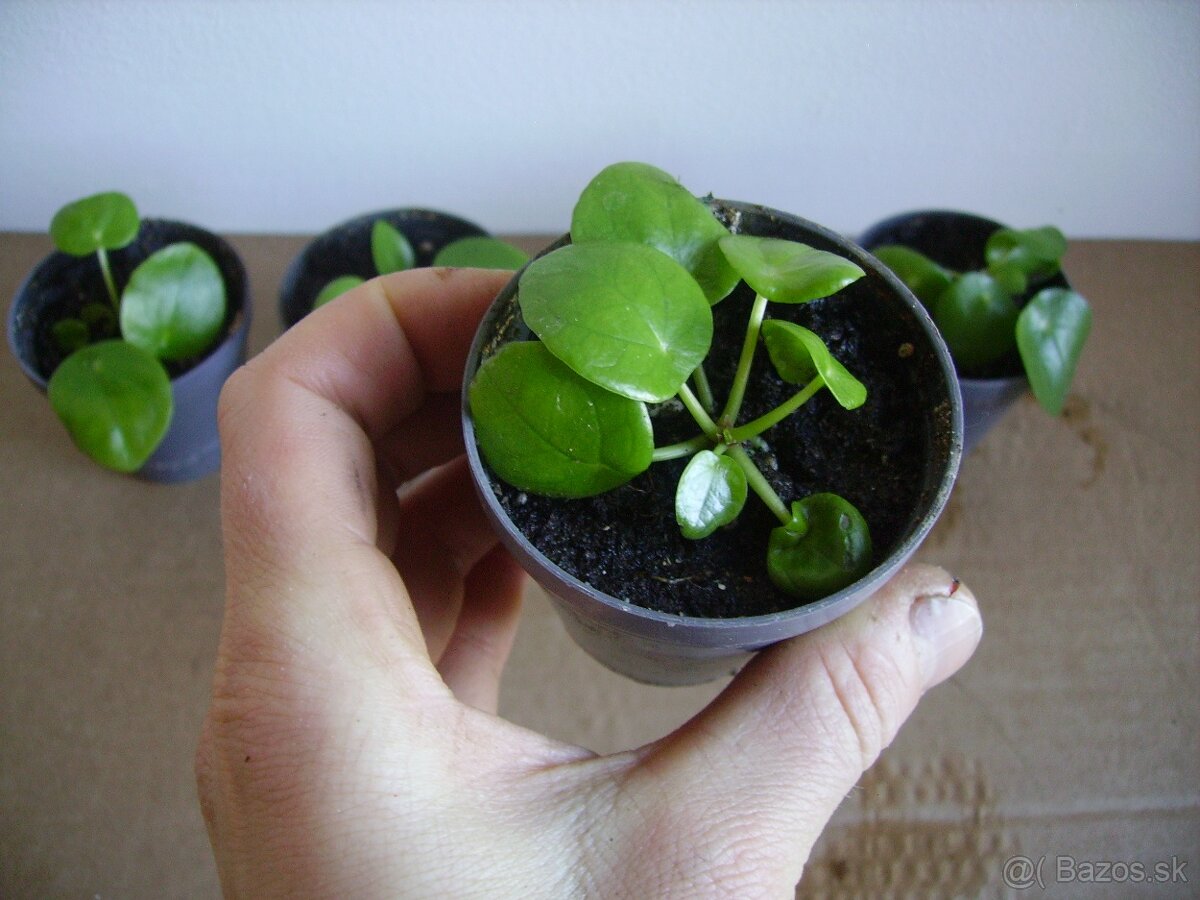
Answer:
(711, 492)
(1015, 258)
(544, 429)
(1051, 332)
(115, 400)
(925, 278)
(788, 271)
(105, 221)
(826, 547)
(481, 253)
(799, 354)
(976, 318)
(174, 304)
(336, 288)
(624, 316)
(631, 201)
(390, 249)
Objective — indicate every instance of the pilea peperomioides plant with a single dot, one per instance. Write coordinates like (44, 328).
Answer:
(624, 320)
(979, 317)
(112, 389)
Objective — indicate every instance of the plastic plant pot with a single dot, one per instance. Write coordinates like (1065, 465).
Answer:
(957, 240)
(671, 649)
(345, 249)
(191, 447)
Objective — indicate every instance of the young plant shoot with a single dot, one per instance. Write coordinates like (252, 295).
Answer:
(624, 319)
(112, 391)
(978, 315)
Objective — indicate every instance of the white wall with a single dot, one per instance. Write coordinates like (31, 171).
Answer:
(289, 115)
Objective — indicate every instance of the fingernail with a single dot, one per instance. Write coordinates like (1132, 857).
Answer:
(948, 627)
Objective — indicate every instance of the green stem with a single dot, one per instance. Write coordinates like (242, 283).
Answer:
(757, 426)
(102, 254)
(683, 448)
(759, 484)
(703, 419)
(704, 389)
(742, 376)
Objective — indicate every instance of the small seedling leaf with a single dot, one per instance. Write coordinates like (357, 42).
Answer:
(711, 493)
(336, 288)
(70, 334)
(1051, 332)
(632, 201)
(544, 429)
(481, 253)
(115, 400)
(174, 304)
(107, 221)
(920, 274)
(799, 355)
(622, 315)
(826, 547)
(976, 318)
(1018, 258)
(788, 271)
(390, 249)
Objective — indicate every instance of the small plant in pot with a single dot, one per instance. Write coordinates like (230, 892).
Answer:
(131, 329)
(626, 412)
(383, 242)
(1000, 300)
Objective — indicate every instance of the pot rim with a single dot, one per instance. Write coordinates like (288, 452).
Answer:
(736, 631)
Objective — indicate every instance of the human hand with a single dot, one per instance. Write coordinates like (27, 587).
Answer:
(352, 747)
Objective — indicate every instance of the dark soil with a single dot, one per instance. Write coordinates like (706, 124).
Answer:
(626, 542)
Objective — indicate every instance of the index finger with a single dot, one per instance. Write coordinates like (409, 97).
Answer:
(298, 426)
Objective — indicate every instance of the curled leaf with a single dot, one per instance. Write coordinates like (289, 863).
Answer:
(826, 547)
(788, 271)
(799, 355)
(1017, 258)
(924, 277)
(976, 318)
(711, 492)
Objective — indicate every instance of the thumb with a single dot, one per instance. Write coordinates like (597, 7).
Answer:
(768, 762)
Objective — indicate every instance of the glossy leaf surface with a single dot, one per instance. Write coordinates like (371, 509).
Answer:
(544, 429)
(105, 221)
(174, 304)
(115, 400)
(925, 278)
(976, 318)
(1018, 258)
(1051, 332)
(826, 547)
(481, 252)
(390, 249)
(336, 288)
(788, 271)
(711, 492)
(623, 316)
(799, 354)
(631, 201)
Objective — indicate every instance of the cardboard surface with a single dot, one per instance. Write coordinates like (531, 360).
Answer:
(1071, 738)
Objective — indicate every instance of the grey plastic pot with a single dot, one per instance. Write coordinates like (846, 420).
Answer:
(345, 249)
(191, 447)
(957, 240)
(660, 648)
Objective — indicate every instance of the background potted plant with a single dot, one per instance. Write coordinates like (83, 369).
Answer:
(131, 327)
(382, 242)
(619, 411)
(1001, 301)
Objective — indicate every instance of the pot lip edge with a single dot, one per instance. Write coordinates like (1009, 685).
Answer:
(817, 612)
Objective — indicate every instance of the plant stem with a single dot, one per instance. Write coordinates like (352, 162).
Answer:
(778, 414)
(704, 389)
(102, 255)
(683, 448)
(703, 419)
(734, 404)
(759, 484)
